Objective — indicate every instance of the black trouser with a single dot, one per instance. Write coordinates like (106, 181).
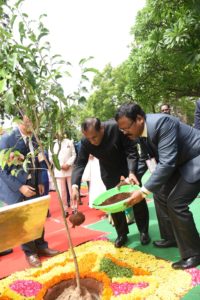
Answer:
(141, 214)
(140, 210)
(32, 246)
(174, 217)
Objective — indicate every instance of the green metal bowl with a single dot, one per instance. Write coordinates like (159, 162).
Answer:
(115, 207)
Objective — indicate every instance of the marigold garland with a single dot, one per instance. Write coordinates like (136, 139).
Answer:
(153, 278)
(87, 262)
(107, 291)
(46, 270)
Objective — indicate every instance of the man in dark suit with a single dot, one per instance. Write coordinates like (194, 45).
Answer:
(25, 185)
(175, 147)
(108, 144)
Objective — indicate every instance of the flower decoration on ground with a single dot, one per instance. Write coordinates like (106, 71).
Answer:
(123, 273)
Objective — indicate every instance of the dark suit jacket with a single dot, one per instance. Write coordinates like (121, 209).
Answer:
(197, 115)
(175, 145)
(9, 185)
(116, 153)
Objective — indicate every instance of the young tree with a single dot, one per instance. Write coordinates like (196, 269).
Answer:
(30, 84)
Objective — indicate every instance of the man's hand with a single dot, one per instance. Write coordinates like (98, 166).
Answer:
(41, 189)
(121, 183)
(135, 198)
(133, 179)
(65, 167)
(27, 190)
(15, 158)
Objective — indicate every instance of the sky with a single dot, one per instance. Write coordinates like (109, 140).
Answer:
(83, 28)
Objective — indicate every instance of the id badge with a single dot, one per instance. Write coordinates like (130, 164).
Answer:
(151, 164)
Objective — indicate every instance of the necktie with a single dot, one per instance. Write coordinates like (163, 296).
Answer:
(146, 149)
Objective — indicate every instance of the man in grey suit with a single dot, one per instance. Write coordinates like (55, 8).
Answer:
(173, 150)
(23, 186)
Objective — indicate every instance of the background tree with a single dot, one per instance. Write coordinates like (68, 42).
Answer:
(108, 88)
(164, 61)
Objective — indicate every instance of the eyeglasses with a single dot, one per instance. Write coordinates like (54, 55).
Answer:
(167, 110)
(126, 129)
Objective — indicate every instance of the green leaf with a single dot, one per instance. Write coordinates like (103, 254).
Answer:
(18, 3)
(12, 61)
(21, 31)
(3, 73)
(2, 153)
(41, 35)
(25, 15)
(31, 79)
(21, 47)
(32, 37)
(93, 70)
(6, 156)
(82, 100)
(13, 172)
(42, 16)
(25, 165)
(9, 97)
(56, 56)
(3, 85)
(12, 21)
(84, 77)
(84, 60)
(56, 161)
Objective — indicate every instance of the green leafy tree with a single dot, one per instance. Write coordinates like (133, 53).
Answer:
(164, 60)
(163, 65)
(109, 86)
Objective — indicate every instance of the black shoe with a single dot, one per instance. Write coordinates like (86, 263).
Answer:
(187, 263)
(6, 252)
(120, 241)
(47, 252)
(145, 238)
(165, 244)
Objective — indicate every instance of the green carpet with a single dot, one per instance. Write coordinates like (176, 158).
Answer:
(171, 254)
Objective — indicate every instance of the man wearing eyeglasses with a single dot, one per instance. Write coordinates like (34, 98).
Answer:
(173, 150)
(117, 157)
